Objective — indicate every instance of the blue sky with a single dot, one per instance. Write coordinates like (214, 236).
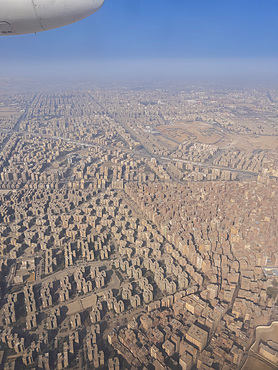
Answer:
(125, 32)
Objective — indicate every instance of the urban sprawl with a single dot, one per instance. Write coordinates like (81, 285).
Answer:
(139, 228)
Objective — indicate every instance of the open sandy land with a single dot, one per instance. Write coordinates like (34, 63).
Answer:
(208, 134)
(263, 333)
(254, 363)
(195, 131)
(8, 111)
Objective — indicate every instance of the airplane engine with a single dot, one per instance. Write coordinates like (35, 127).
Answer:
(19, 17)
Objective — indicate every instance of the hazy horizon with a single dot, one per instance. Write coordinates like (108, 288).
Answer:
(206, 70)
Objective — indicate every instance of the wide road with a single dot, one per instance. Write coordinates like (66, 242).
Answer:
(208, 165)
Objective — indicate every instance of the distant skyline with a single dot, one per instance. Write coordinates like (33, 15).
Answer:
(144, 36)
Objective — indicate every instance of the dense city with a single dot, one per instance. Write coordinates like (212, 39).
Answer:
(139, 228)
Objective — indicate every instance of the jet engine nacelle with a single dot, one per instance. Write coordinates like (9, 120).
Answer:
(19, 17)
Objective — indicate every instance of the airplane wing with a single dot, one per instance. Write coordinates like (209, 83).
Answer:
(19, 17)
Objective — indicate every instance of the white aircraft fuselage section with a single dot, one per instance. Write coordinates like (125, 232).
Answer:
(19, 17)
